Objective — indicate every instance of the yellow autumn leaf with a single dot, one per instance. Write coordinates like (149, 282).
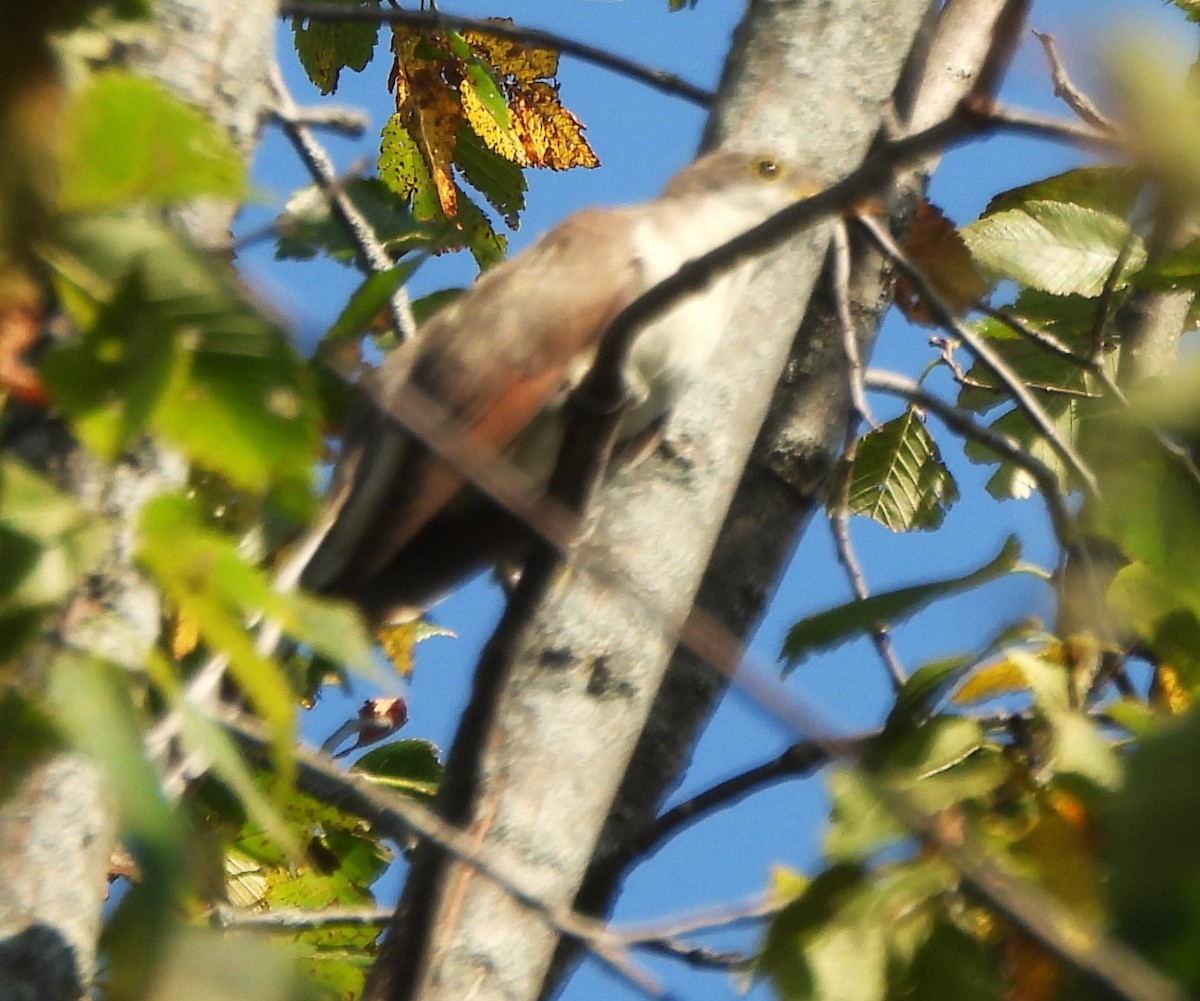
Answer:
(500, 140)
(551, 135)
(1168, 691)
(510, 58)
(183, 635)
(400, 641)
(1000, 678)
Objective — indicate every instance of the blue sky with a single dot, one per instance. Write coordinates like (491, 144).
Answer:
(642, 137)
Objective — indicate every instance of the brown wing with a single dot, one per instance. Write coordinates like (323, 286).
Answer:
(493, 360)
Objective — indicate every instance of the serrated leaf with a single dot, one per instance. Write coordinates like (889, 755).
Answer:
(499, 180)
(325, 48)
(898, 479)
(1068, 321)
(835, 626)
(126, 139)
(1113, 190)
(1056, 247)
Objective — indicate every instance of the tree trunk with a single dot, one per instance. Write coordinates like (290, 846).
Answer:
(558, 707)
(58, 828)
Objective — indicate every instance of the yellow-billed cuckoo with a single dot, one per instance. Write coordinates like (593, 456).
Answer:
(502, 359)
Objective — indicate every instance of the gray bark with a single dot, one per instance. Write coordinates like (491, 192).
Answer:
(542, 753)
(781, 486)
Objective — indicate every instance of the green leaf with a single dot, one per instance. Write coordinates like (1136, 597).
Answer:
(47, 544)
(1164, 614)
(500, 181)
(307, 226)
(403, 170)
(1154, 879)
(951, 964)
(1191, 8)
(1010, 481)
(410, 766)
(1113, 190)
(208, 581)
(898, 479)
(207, 576)
(372, 296)
(925, 689)
(784, 958)
(837, 625)
(217, 747)
(1149, 501)
(93, 702)
(1066, 319)
(126, 139)
(859, 823)
(1057, 247)
(113, 380)
(326, 48)
(172, 346)
(478, 235)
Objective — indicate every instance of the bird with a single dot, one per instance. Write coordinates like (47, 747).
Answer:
(401, 527)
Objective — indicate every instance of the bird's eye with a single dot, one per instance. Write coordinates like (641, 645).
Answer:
(769, 170)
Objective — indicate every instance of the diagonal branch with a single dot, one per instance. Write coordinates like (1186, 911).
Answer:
(372, 256)
(436, 20)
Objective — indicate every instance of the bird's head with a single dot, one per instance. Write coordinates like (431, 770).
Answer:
(756, 184)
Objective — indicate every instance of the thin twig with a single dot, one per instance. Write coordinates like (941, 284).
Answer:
(841, 298)
(757, 908)
(1032, 123)
(839, 522)
(1107, 294)
(373, 257)
(1075, 98)
(798, 760)
(284, 919)
(435, 20)
(979, 347)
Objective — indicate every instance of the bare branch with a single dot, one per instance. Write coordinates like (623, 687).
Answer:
(839, 522)
(1076, 99)
(225, 917)
(372, 255)
(798, 760)
(435, 20)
